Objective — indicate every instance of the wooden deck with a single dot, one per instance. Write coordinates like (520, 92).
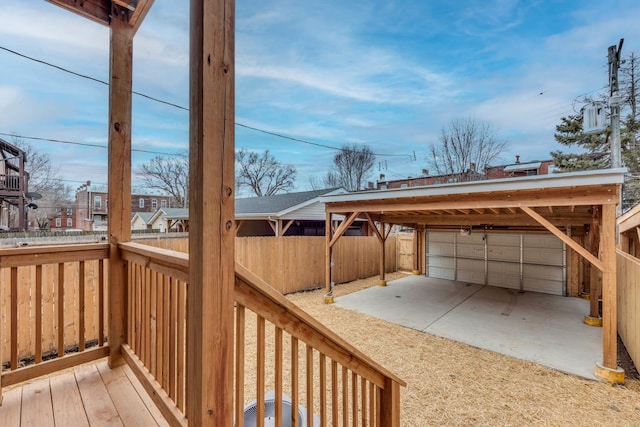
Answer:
(87, 395)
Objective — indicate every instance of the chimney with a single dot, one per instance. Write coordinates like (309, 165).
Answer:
(370, 185)
(473, 167)
(517, 159)
(381, 177)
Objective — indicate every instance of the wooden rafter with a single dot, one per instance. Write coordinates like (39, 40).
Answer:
(566, 239)
(550, 209)
(103, 11)
(495, 210)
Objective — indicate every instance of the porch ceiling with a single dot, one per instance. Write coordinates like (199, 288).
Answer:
(101, 11)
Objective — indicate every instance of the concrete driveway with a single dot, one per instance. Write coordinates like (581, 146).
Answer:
(544, 329)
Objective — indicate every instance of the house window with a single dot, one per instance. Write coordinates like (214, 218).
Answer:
(403, 186)
(531, 172)
(97, 202)
(69, 211)
(58, 222)
(141, 203)
(69, 222)
(154, 204)
(163, 203)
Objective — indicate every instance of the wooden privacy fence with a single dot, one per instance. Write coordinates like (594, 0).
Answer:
(52, 301)
(296, 263)
(628, 297)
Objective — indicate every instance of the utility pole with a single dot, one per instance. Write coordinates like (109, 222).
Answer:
(614, 102)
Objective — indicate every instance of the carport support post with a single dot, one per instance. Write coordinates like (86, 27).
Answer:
(383, 241)
(594, 290)
(328, 232)
(609, 370)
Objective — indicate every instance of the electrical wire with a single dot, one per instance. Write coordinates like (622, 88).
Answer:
(152, 98)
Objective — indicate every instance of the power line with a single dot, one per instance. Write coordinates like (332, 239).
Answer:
(152, 98)
(316, 143)
(83, 144)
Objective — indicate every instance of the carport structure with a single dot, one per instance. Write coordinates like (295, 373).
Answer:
(579, 208)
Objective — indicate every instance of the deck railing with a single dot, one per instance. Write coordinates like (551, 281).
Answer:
(278, 346)
(53, 309)
(10, 182)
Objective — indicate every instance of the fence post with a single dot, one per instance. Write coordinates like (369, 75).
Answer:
(389, 410)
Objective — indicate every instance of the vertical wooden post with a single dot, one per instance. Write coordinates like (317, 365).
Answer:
(609, 288)
(328, 252)
(383, 243)
(416, 251)
(594, 281)
(389, 411)
(211, 215)
(119, 180)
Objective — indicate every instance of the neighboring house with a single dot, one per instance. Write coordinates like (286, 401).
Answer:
(292, 214)
(170, 220)
(512, 170)
(92, 206)
(140, 221)
(63, 219)
(14, 180)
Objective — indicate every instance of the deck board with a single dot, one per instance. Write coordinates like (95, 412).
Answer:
(87, 395)
(39, 411)
(125, 397)
(10, 408)
(67, 403)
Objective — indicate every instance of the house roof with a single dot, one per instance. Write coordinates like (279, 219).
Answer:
(279, 204)
(170, 213)
(144, 216)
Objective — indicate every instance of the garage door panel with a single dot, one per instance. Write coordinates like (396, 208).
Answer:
(441, 237)
(470, 251)
(503, 274)
(541, 241)
(503, 247)
(544, 286)
(543, 256)
(544, 272)
(470, 270)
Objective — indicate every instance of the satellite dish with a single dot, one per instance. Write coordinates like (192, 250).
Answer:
(250, 412)
(32, 206)
(33, 195)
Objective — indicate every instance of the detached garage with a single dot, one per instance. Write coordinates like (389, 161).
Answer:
(553, 234)
(526, 262)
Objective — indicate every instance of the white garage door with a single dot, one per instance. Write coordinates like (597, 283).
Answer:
(531, 262)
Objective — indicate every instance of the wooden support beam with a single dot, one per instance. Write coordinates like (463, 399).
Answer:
(594, 249)
(119, 179)
(344, 226)
(374, 227)
(273, 227)
(286, 227)
(139, 12)
(99, 12)
(210, 298)
(609, 288)
(566, 239)
(382, 241)
(328, 251)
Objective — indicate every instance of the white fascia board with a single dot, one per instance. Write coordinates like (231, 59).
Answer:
(310, 201)
(253, 216)
(555, 180)
(156, 215)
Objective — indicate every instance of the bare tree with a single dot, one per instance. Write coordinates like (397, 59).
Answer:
(464, 145)
(169, 174)
(45, 180)
(262, 173)
(351, 167)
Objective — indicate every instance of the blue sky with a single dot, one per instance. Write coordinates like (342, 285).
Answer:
(389, 74)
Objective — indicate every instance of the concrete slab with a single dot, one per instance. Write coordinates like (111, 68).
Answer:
(544, 329)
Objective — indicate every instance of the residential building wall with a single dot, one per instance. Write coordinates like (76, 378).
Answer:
(92, 206)
(64, 219)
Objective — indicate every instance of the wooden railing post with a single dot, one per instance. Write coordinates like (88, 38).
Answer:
(210, 300)
(389, 411)
(119, 180)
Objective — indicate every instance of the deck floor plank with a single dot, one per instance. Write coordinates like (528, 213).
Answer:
(68, 409)
(128, 403)
(87, 395)
(148, 401)
(96, 399)
(11, 407)
(37, 409)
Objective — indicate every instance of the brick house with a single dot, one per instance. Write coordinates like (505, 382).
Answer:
(92, 206)
(64, 219)
(511, 170)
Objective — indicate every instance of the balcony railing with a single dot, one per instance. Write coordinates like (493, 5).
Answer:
(10, 182)
(278, 347)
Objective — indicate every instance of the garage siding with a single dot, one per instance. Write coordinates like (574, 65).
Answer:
(532, 262)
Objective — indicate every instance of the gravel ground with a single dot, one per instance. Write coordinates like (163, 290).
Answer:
(450, 383)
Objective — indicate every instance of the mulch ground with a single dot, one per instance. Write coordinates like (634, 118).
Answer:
(450, 383)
